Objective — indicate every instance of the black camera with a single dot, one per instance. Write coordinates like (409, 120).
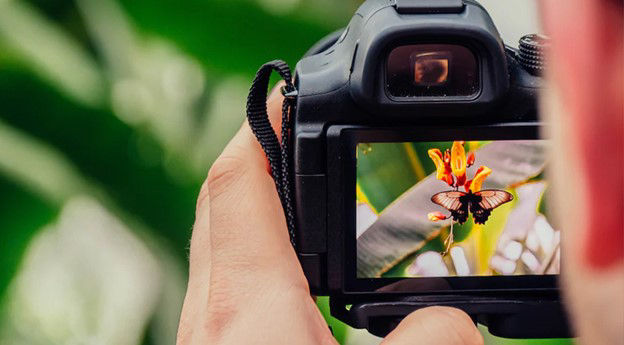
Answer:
(414, 170)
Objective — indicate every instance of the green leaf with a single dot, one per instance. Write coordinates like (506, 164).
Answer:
(338, 328)
(51, 52)
(385, 171)
(494, 340)
(22, 215)
(228, 36)
(106, 151)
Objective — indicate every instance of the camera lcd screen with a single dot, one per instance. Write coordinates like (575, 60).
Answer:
(432, 70)
(454, 208)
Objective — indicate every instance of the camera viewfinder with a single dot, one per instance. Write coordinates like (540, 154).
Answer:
(432, 70)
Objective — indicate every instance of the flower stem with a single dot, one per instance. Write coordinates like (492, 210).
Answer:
(449, 240)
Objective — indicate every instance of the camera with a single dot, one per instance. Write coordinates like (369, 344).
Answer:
(417, 164)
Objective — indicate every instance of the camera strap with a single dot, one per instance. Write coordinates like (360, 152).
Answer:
(276, 151)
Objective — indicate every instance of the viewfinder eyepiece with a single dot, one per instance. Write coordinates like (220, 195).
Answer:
(432, 70)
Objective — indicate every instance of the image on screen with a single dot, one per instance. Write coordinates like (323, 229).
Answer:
(444, 209)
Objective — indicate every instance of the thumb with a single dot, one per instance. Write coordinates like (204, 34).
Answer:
(435, 326)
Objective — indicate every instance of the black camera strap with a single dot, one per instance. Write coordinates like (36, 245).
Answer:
(276, 151)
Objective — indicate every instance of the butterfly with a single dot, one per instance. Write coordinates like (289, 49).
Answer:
(479, 203)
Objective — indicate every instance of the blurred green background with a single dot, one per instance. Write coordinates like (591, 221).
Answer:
(111, 113)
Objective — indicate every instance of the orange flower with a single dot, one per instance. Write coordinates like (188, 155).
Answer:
(436, 216)
(467, 185)
(470, 160)
(477, 181)
(448, 178)
(451, 167)
(458, 162)
(443, 168)
(447, 158)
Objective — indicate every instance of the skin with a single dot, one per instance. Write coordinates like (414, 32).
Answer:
(246, 285)
(584, 103)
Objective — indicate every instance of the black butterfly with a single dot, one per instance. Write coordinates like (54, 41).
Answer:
(480, 203)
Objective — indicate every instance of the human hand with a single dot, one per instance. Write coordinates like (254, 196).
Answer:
(584, 103)
(245, 283)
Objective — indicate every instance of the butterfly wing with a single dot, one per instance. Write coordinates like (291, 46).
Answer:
(455, 202)
(449, 200)
(485, 201)
(492, 198)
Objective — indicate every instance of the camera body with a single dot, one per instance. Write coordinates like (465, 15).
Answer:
(408, 71)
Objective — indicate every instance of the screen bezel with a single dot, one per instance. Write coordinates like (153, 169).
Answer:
(348, 138)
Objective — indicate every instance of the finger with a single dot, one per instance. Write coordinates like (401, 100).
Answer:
(435, 326)
(246, 143)
(200, 248)
(597, 27)
(247, 140)
(247, 229)
(241, 248)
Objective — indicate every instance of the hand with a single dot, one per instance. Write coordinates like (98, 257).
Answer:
(245, 283)
(586, 109)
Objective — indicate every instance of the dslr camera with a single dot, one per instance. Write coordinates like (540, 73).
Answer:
(412, 169)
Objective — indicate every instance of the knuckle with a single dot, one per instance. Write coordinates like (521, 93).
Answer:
(225, 172)
(221, 313)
